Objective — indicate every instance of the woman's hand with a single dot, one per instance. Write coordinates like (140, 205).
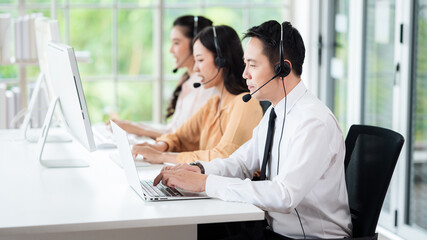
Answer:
(153, 153)
(159, 146)
(129, 127)
(150, 155)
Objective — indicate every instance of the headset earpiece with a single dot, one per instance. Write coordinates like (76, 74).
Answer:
(196, 26)
(220, 61)
(282, 69)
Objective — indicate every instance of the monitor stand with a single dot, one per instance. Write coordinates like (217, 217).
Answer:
(61, 159)
(56, 137)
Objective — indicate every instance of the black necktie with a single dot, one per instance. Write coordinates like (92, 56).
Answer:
(268, 143)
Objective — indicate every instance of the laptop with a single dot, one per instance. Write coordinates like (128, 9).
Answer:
(145, 188)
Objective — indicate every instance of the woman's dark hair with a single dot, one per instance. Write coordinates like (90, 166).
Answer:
(187, 24)
(231, 50)
(293, 45)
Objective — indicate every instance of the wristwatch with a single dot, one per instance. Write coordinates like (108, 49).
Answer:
(202, 169)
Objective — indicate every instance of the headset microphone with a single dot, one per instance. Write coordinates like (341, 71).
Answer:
(282, 69)
(198, 84)
(248, 96)
(181, 63)
(220, 61)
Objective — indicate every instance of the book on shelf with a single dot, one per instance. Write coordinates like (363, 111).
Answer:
(32, 36)
(25, 24)
(17, 23)
(3, 106)
(5, 22)
(25, 38)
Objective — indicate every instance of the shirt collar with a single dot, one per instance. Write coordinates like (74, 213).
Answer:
(292, 98)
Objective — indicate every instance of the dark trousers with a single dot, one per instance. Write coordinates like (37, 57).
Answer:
(250, 230)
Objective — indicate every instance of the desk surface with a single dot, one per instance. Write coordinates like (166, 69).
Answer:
(35, 199)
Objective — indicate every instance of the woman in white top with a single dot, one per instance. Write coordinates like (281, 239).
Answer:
(186, 99)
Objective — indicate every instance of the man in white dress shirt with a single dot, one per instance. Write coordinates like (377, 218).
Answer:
(303, 192)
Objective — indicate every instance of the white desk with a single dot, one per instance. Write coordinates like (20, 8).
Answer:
(94, 202)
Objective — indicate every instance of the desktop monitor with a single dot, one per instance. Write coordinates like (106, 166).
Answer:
(46, 30)
(69, 96)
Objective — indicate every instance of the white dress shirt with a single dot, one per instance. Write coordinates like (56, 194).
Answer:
(309, 176)
(189, 101)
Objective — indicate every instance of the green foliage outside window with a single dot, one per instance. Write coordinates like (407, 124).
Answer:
(126, 35)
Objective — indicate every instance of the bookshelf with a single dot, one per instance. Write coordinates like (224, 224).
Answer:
(22, 31)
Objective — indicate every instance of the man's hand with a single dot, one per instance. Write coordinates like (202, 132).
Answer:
(178, 176)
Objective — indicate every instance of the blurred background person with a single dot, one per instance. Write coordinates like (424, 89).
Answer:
(186, 99)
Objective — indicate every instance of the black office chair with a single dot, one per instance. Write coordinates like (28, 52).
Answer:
(371, 156)
(264, 105)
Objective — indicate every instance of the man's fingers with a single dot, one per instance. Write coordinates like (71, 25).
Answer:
(168, 179)
(158, 179)
(167, 168)
(165, 181)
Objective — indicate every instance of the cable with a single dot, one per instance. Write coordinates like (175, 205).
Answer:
(303, 232)
(278, 151)
(219, 110)
(283, 126)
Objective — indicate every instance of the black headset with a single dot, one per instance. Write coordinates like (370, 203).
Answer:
(196, 24)
(220, 61)
(282, 69)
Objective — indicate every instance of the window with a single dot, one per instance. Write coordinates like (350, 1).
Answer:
(119, 35)
(417, 201)
(379, 64)
(339, 62)
(391, 35)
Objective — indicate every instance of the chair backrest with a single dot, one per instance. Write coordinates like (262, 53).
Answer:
(371, 156)
(264, 105)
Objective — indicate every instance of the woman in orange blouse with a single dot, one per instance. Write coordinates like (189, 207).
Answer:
(225, 122)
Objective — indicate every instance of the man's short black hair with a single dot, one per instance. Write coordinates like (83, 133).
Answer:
(293, 45)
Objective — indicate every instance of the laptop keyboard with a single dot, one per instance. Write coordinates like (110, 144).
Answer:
(160, 190)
